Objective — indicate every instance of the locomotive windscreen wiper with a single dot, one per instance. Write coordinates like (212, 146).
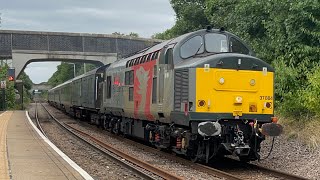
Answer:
(198, 49)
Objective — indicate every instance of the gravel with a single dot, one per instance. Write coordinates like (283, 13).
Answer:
(289, 155)
(94, 162)
(292, 156)
(152, 158)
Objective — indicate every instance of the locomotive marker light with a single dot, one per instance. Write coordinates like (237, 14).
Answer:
(221, 80)
(206, 67)
(238, 100)
(264, 71)
(252, 82)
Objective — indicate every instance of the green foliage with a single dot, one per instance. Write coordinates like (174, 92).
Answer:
(9, 91)
(131, 34)
(285, 33)
(26, 80)
(190, 16)
(65, 71)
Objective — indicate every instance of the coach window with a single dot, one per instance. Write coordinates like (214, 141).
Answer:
(131, 78)
(237, 47)
(126, 77)
(108, 87)
(130, 93)
(191, 47)
(149, 57)
(144, 59)
(156, 55)
(140, 60)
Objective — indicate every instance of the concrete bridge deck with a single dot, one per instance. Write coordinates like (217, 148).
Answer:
(24, 47)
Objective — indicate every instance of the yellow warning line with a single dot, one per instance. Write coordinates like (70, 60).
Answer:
(4, 168)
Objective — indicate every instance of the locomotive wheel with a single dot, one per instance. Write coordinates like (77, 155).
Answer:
(196, 153)
(105, 124)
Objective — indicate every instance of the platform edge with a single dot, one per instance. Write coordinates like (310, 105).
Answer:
(75, 166)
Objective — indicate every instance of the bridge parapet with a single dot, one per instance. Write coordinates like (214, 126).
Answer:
(74, 42)
(24, 47)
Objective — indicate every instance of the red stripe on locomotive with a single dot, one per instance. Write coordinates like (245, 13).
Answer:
(143, 75)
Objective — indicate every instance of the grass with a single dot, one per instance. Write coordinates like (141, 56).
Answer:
(304, 129)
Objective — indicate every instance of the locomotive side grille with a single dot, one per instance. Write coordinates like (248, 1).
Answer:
(181, 88)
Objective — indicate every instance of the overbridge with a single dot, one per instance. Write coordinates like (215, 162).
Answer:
(24, 47)
(41, 87)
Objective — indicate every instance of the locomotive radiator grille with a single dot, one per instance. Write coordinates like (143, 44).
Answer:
(181, 88)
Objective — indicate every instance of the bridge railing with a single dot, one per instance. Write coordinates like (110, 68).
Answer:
(75, 42)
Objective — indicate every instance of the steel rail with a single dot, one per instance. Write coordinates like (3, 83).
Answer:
(150, 168)
(278, 173)
(197, 166)
(38, 122)
(211, 170)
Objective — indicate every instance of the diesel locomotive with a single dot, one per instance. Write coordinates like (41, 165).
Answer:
(203, 95)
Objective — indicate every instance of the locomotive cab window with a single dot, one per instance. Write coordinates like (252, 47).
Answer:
(237, 47)
(216, 43)
(191, 47)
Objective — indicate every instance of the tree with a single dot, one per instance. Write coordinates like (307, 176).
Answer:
(131, 34)
(190, 16)
(65, 71)
(285, 33)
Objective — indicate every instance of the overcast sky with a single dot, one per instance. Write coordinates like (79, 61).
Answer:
(145, 17)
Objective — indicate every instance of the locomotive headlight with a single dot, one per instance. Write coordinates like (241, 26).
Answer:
(221, 80)
(238, 99)
(252, 82)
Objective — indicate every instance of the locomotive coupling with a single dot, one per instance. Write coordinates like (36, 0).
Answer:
(209, 128)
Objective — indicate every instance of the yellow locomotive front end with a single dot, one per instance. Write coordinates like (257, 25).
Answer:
(237, 92)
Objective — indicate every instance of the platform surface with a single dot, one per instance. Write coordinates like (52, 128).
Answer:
(25, 155)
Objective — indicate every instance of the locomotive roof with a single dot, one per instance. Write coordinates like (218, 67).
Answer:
(178, 40)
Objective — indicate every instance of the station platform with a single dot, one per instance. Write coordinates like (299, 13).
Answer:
(26, 154)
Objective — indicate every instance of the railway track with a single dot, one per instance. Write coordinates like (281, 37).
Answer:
(216, 171)
(277, 173)
(38, 122)
(144, 169)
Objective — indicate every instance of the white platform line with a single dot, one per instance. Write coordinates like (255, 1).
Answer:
(3, 113)
(83, 173)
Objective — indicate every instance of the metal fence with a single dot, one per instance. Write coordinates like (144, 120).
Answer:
(75, 42)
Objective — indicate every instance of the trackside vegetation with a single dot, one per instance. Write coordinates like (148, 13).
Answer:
(10, 89)
(285, 33)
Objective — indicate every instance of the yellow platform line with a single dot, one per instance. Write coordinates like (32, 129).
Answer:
(4, 167)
